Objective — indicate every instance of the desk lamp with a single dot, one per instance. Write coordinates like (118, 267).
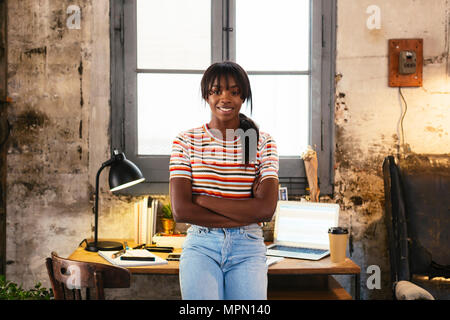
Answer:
(122, 174)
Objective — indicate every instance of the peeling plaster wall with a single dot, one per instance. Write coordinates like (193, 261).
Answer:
(48, 157)
(367, 114)
(59, 81)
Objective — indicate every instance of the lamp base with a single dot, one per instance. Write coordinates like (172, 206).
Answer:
(104, 246)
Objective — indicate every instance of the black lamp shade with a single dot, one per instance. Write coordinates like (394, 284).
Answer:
(123, 174)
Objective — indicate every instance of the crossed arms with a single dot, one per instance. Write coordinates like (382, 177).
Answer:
(219, 212)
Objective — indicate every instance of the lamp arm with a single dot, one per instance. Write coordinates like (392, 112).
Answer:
(97, 179)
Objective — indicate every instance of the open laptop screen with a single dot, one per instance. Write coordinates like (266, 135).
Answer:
(305, 224)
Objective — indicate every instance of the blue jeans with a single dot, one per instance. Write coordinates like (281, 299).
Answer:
(224, 263)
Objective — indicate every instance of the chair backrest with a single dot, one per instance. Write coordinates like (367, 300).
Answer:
(418, 214)
(395, 220)
(426, 185)
(68, 277)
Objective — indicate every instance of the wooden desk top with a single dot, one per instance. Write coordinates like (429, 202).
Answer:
(286, 266)
(322, 266)
(171, 268)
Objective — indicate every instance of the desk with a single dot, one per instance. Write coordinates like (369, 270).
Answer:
(288, 279)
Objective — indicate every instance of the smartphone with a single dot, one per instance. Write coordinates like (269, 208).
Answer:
(173, 257)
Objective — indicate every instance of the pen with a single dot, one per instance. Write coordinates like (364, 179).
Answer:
(119, 253)
(139, 246)
(159, 249)
(138, 258)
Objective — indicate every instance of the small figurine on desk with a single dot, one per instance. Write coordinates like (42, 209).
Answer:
(282, 193)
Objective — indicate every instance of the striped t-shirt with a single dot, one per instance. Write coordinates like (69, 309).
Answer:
(215, 166)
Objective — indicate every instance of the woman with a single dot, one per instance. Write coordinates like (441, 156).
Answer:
(215, 187)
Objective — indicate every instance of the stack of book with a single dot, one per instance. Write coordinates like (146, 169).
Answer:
(169, 240)
(145, 217)
(146, 224)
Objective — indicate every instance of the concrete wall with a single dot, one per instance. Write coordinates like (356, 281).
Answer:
(367, 113)
(59, 81)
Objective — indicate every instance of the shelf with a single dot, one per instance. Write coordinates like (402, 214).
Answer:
(325, 289)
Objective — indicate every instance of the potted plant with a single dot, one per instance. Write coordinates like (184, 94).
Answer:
(168, 223)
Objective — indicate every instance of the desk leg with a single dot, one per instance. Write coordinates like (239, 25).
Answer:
(357, 286)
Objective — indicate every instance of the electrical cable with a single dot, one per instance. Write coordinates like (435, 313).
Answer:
(403, 117)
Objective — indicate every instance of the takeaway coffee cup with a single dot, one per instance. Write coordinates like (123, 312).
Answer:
(338, 243)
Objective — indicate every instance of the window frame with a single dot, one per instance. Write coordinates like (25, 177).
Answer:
(123, 122)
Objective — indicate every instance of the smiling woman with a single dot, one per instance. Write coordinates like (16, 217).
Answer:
(225, 86)
(225, 102)
(207, 177)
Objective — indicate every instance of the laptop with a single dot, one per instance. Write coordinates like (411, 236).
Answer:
(301, 229)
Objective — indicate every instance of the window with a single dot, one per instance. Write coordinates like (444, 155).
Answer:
(160, 49)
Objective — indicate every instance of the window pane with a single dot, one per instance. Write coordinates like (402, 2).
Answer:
(167, 104)
(173, 34)
(272, 35)
(281, 108)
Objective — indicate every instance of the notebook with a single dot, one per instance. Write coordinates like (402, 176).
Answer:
(301, 229)
(130, 263)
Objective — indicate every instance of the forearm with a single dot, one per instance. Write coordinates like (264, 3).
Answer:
(184, 210)
(259, 208)
(245, 211)
(198, 215)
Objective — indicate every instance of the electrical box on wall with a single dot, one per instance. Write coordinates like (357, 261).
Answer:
(405, 62)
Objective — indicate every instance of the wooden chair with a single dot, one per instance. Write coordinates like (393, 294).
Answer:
(417, 219)
(68, 277)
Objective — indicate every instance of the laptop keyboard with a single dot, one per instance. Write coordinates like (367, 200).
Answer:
(298, 250)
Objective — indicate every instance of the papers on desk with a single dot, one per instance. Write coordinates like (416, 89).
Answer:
(272, 260)
(175, 241)
(132, 253)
